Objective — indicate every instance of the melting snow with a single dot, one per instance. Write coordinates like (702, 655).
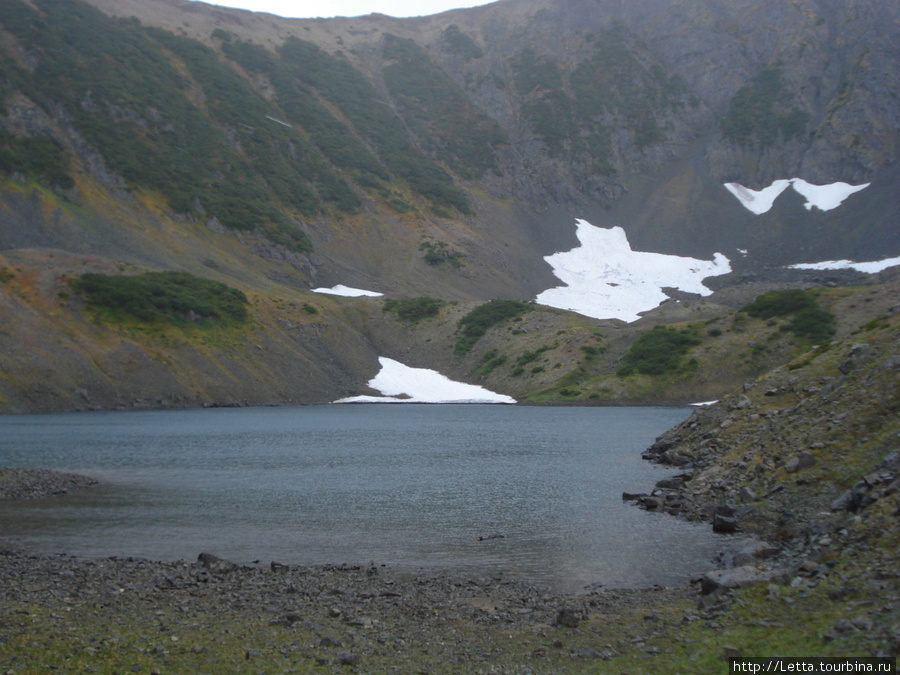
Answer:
(867, 267)
(420, 385)
(758, 201)
(606, 279)
(347, 292)
(822, 197)
(825, 197)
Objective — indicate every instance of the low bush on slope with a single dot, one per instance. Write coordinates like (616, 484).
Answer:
(810, 320)
(162, 296)
(414, 309)
(484, 317)
(657, 351)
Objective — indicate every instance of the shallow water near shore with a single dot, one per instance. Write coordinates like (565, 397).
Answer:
(411, 486)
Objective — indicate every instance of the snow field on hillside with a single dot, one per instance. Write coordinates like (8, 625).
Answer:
(605, 279)
(420, 385)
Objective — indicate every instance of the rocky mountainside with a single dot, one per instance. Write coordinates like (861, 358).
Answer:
(441, 156)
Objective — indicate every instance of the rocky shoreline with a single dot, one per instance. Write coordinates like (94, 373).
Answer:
(807, 460)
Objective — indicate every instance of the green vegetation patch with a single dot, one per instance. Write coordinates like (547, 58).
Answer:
(38, 156)
(437, 254)
(484, 317)
(128, 94)
(657, 352)
(612, 88)
(456, 42)
(491, 360)
(174, 297)
(414, 309)
(372, 119)
(810, 320)
(757, 111)
(438, 111)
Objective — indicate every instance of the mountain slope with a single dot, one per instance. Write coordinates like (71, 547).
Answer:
(442, 156)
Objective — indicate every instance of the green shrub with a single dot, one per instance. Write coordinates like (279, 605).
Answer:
(363, 106)
(439, 253)
(414, 309)
(492, 363)
(477, 322)
(527, 357)
(436, 108)
(657, 352)
(174, 297)
(810, 322)
(38, 156)
(457, 42)
(779, 303)
(814, 324)
(591, 352)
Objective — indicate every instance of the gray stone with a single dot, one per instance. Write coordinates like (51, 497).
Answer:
(567, 618)
(215, 564)
(736, 577)
(724, 524)
(860, 355)
(346, 659)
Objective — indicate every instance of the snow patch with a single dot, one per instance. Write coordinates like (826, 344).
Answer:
(347, 292)
(822, 197)
(606, 279)
(401, 384)
(825, 197)
(758, 201)
(872, 267)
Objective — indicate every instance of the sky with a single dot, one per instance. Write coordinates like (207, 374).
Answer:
(310, 9)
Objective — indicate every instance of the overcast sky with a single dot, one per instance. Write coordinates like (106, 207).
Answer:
(305, 9)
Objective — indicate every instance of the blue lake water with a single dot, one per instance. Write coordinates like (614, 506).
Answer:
(411, 486)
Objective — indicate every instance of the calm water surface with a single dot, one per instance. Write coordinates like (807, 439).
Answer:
(412, 486)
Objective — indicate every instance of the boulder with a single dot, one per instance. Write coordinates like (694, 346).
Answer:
(724, 524)
(853, 499)
(214, 564)
(805, 460)
(567, 618)
(860, 355)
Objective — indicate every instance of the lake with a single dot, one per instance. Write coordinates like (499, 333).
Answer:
(411, 486)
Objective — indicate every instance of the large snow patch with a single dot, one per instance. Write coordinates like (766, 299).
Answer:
(605, 279)
(401, 384)
(822, 197)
